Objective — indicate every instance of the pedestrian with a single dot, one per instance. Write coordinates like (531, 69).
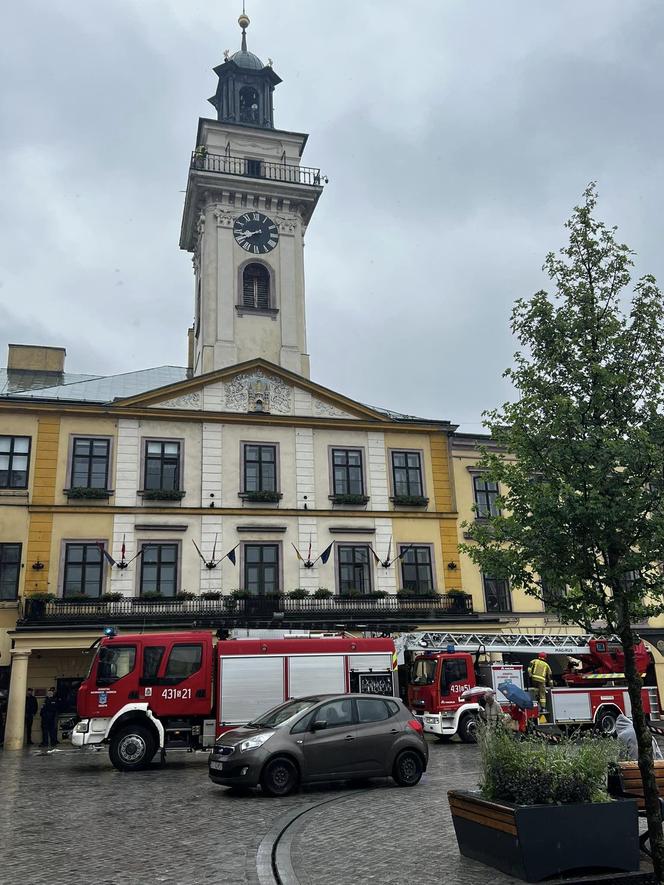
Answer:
(540, 676)
(31, 707)
(492, 712)
(49, 720)
(627, 739)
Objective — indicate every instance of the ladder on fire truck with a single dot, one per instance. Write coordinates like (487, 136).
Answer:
(553, 643)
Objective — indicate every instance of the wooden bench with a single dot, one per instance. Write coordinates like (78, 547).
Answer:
(628, 785)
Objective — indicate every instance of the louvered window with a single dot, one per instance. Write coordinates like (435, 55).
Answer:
(256, 287)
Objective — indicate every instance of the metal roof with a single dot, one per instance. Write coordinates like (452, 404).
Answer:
(17, 380)
(100, 388)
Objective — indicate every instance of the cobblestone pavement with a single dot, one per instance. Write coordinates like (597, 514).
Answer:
(70, 817)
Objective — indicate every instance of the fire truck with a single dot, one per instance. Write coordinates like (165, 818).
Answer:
(445, 669)
(155, 692)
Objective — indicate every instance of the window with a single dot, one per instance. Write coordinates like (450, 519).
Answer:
(416, 571)
(372, 710)
(347, 474)
(260, 468)
(256, 287)
(261, 569)
(354, 571)
(253, 168)
(497, 595)
(248, 105)
(152, 656)
(407, 474)
(10, 568)
(14, 461)
(89, 467)
(162, 466)
(455, 670)
(336, 713)
(159, 569)
(486, 493)
(115, 661)
(551, 593)
(83, 570)
(184, 661)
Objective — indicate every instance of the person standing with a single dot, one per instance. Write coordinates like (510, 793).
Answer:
(31, 707)
(540, 676)
(49, 720)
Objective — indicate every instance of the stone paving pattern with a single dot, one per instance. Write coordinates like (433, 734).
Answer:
(70, 817)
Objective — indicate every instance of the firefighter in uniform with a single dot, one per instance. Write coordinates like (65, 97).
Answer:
(540, 675)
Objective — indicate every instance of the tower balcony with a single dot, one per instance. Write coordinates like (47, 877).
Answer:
(225, 164)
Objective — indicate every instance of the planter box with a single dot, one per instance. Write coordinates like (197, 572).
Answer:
(533, 842)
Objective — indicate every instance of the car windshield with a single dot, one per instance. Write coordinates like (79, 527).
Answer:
(423, 671)
(283, 713)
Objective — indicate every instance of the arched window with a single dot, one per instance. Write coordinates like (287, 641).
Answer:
(256, 287)
(248, 105)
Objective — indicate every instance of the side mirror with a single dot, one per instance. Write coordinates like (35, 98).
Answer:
(319, 725)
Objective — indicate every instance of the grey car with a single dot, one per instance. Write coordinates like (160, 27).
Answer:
(322, 738)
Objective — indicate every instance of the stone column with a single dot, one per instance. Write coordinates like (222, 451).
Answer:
(15, 725)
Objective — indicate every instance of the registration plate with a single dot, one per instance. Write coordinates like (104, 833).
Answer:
(217, 766)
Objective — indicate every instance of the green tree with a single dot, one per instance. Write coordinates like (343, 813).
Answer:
(581, 455)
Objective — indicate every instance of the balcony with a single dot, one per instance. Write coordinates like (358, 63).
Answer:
(223, 164)
(278, 612)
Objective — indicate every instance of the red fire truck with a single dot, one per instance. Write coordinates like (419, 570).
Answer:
(439, 678)
(161, 691)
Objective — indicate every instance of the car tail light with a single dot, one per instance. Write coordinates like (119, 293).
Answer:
(416, 725)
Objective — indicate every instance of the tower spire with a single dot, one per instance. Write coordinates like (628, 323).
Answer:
(244, 22)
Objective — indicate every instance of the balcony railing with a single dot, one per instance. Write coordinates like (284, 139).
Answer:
(229, 610)
(247, 168)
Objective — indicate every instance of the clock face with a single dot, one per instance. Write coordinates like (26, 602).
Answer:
(256, 233)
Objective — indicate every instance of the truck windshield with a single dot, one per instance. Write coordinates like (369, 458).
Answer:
(115, 661)
(423, 671)
(284, 713)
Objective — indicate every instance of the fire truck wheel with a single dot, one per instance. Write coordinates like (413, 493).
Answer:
(606, 721)
(132, 748)
(279, 777)
(468, 729)
(408, 768)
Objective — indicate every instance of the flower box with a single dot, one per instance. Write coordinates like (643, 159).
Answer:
(162, 494)
(533, 842)
(83, 493)
(262, 497)
(409, 501)
(350, 500)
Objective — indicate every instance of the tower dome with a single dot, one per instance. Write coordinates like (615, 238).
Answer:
(245, 59)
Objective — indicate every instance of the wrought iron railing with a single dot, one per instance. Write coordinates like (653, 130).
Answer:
(242, 166)
(254, 607)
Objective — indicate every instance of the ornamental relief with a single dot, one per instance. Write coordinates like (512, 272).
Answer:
(186, 401)
(286, 224)
(223, 217)
(323, 409)
(244, 390)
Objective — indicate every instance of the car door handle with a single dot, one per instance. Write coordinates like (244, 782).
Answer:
(349, 737)
(394, 731)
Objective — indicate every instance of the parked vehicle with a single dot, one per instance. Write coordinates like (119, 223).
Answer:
(322, 738)
(439, 678)
(161, 691)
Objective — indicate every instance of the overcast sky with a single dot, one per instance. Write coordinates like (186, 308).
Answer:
(457, 136)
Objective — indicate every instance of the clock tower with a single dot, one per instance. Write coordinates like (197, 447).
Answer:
(248, 203)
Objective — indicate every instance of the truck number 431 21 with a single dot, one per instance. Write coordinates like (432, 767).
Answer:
(172, 694)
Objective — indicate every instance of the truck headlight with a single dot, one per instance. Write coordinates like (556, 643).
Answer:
(82, 727)
(254, 743)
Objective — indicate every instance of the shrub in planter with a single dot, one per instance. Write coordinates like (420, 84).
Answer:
(111, 597)
(410, 500)
(323, 593)
(211, 594)
(152, 597)
(379, 594)
(350, 499)
(240, 594)
(162, 494)
(40, 597)
(537, 800)
(183, 595)
(353, 593)
(85, 493)
(298, 593)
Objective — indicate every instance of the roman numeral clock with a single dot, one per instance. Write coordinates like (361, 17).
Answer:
(255, 233)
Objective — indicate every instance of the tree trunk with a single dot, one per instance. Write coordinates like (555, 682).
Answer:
(644, 740)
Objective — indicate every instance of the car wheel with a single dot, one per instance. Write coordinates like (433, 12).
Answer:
(408, 768)
(279, 777)
(468, 729)
(132, 748)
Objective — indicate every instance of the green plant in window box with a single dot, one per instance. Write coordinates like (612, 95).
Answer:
(183, 595)
(410, 500)
(111, 597)
(40, 597)
(379, 594)
(265, 497)
(211, 594)
(241, 594)
(162, 494)
(84, 493)
(298, 593)
(350, 499)
(322, 593)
